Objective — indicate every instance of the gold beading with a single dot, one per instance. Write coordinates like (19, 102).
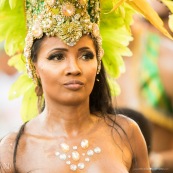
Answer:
(69, 20)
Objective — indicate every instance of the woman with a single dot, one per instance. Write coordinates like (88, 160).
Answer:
(72, 115)
(76, 131)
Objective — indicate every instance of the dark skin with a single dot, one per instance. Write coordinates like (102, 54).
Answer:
(67, 118)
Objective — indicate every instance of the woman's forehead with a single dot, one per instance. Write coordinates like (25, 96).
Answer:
(56, 42)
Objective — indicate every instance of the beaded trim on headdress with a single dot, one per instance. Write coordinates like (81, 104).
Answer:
(69, 20)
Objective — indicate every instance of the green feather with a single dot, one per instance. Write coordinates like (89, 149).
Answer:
(115, 31)
(2, 3)
(114, 87)
(14, 33)
(12, 3)
(21, 86)
(18, 61)
(29, 105)
(25, 87)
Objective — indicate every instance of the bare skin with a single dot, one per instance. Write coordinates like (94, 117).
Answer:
(66, 118)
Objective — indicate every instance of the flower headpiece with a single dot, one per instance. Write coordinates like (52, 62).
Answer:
(69, 20)
(21, 22)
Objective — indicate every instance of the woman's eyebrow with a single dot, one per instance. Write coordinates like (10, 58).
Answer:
(84, 48)
(59, 49)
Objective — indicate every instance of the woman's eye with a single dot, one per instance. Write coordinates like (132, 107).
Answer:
(56, 57)
(87, 56)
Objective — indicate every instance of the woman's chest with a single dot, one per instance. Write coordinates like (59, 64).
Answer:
(46, 158)
(98, 152)
(99, 165)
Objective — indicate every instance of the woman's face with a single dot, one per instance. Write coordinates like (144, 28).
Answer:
(67, 73)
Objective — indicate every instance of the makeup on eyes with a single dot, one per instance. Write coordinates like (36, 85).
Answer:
(56, 56)
(59, 54)
(87, 55)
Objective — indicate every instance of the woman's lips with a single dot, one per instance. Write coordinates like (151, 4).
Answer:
(74, 85)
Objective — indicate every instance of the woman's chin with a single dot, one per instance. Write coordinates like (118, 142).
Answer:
(72, 101)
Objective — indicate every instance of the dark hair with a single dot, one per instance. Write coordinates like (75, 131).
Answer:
(100, 97)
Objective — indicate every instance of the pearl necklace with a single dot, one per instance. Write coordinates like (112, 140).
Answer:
(73, 158)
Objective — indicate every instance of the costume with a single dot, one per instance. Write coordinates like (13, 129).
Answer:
(69, 20)
(158, 104)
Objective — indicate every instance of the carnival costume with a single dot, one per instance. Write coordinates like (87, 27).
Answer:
(158, 107)
(22, 22)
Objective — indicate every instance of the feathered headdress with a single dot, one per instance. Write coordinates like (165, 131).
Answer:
(116, 17)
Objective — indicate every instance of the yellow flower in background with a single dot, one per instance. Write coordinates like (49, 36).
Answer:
(170, 22)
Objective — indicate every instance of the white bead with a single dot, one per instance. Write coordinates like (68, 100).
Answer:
(62, 156)
(101, 53)
(74, 147)
(84, 143)
(27, 53)
(97, 150)
(37, 32)
(75, 156)
(90, 152)
(81, 165)
(29, 40)
(87, 159)
(73, 167)
(70, 155)
(68, 162)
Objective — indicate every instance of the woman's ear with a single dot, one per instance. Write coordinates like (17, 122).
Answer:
(38, 88)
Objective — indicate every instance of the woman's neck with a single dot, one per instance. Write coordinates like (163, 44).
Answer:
(67, 120)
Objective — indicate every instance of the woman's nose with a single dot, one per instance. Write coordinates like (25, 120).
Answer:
(73, 67)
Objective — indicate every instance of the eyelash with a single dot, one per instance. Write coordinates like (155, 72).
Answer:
(88, 56)
(60, 56)
(57, 57)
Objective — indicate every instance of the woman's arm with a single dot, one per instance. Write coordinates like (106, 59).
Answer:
(6, 153)
(141, 160)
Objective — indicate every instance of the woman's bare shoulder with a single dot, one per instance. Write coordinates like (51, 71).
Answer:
(137, 141)
(128, 128)
(7, 142)
(7, 145)
(124, 122)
